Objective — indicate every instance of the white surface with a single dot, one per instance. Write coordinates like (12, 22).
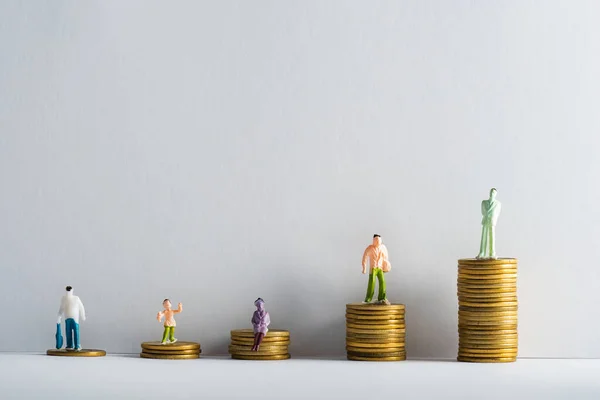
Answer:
(114, 377)
(216, 151)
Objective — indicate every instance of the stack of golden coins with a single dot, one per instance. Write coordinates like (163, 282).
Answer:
(171, 351)
(274, 345)
(375, 332)
(487, 310)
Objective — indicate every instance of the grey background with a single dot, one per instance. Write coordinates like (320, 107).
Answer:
(213, 152)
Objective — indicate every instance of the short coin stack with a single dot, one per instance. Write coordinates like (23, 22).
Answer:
(171, 351)
(375, 332)
(487, 310)
(274, 345)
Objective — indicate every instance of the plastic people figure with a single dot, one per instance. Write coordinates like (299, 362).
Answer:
(377, 255)
(168, 314)
(71, 308)
(490, 210)
(260, 322)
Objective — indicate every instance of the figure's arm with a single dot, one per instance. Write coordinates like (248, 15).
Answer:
(179, 308)
(267, 319)
(160, 315)
(61, 310)
(254, 319)
(483, 212)
(365, 258)
(81, 310)
(386, 262)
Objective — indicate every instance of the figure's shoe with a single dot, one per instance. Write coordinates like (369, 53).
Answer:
(69, 349)
(385, 301)
(366, 302)
(164, 342)
(479, 256)
(173, 340)
(78, 348)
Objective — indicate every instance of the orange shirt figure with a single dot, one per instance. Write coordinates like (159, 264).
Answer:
(377, 255)
(168, 314)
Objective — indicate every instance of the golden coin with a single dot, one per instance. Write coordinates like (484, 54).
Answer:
(488, 346)
(171, 352)
(484, 261)
(273, 357)
(503, 299)
(485, 312)
(375, 339)
(511, 291)
(367, 322)
(488, 353)
(499, 304)
(486, 296)
(486, 271)
(377, 327)
(461, 286)
(488, 308)
(375, 312)
(376, 355)
(487, 338)
(376, 307)
(374, 317)
(486, 360)
(378, 350)
(251, 343)
(487, 350)
(376, 331)
(260, 352)
(75, 353)
(485, 317)
(359, 358)
(169, 356)
(373, 345)
(250, 333)
(487, 331)
(481, 281)
(170, 346)
(248, 346)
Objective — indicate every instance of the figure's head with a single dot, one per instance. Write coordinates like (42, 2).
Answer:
(493, 192)
(260, 304)
(167, 304)
(376, 240)
(69, 289)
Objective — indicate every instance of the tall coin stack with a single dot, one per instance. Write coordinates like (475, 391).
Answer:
(375, 332)
(171, 351)
(274, 345)
(487, 310)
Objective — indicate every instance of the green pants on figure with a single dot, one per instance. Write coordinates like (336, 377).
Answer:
(376, 273)
(170, 334)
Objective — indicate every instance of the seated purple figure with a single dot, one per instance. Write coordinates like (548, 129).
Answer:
(260, 322)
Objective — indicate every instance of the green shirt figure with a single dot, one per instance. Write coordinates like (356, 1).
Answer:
(490, 210)
(377, 255)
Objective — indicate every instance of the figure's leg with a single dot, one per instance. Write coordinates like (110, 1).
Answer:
(172, 335)
(255, 344)
(76, 343)
(492, 243)
(165, 335)
(259, 340)
(370, 288)
(69, 332)
(381, 279)
(482, 243)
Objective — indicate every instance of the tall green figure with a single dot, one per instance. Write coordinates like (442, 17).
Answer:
(490, 210)
(377, 255)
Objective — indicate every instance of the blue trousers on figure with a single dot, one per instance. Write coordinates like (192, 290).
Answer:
(72, 333)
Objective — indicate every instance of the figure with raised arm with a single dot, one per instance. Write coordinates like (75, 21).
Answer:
(168, 314)
(490, 210)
